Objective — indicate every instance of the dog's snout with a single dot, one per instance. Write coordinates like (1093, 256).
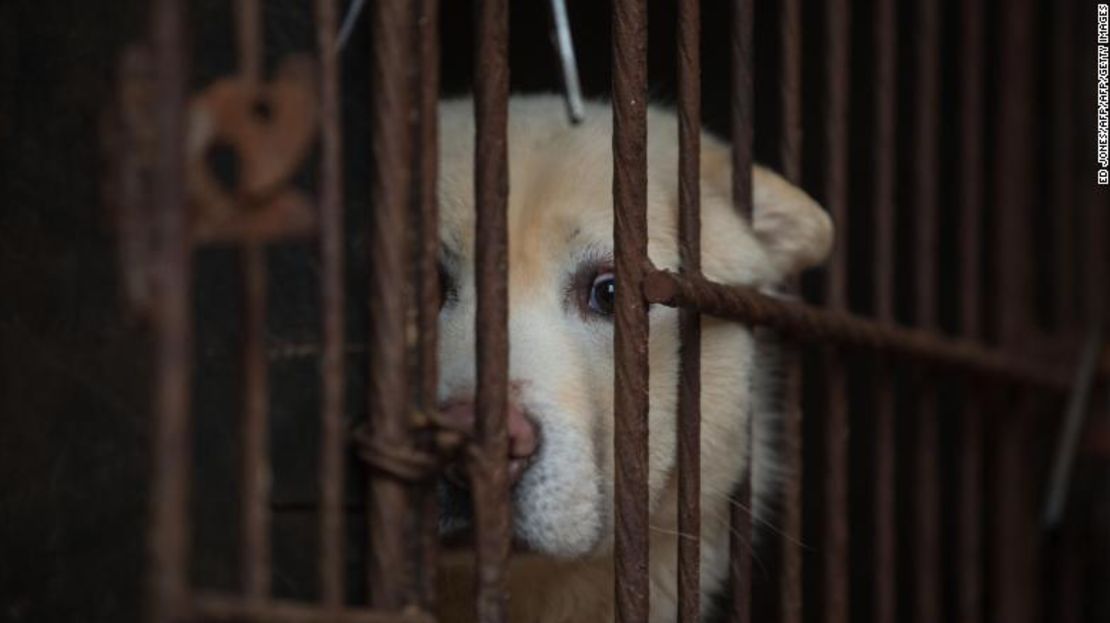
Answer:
(522, 431)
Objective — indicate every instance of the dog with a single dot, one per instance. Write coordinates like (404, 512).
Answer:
(560, 415)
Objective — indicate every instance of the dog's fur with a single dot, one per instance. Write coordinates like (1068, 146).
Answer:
(560, 220)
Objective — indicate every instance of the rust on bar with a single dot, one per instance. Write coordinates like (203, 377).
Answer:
(630, 348)
(740, 520)
(790, 149)
(219, 609)
(835, 553)
(884, 32)
(805, 322)
(390, 581)
(169, 537)
(689, 248)
(255, 460)
(428, 302)
(255, 467)
(332, 301)
(489, 472)
(969, 538)
(926, 110)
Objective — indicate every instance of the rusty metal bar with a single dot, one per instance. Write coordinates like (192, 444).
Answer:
(332, 368)
(835, 552)
(790, 150)
(489, 475)
(389, 575)
(428, 251)
(630, 349)
(255, 527)
(884, 31)
(926, 110)
(1063, 169)
(689, 248)
(255, 458)
(219, 609)
(740, 519)
(248, 22)
(808, 323)
(169, 537)
(969, 538)
(1013, 541)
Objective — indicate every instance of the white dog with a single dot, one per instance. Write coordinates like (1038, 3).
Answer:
(560, 219)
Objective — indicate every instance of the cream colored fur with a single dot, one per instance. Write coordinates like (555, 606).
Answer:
(560, 219)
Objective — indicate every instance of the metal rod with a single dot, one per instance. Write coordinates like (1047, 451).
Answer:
(255, 468)
(808, 323)
(255, 461)
(740, 520)
(926, 106)
(1014, 533)
(332, 301)
(389, 574)
(884, 31)
(689, 380)
(169, 536)
(489, 476)
(835, 552)
(429, 287)
(790, 148)
(969, 538)
(630, 350)
(1063, 168)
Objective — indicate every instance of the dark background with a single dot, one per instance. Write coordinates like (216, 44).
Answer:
(75, 362)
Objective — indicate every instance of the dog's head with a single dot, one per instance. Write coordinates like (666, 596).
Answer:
(560, 219)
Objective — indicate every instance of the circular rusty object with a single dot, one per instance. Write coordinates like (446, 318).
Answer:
(270, 128)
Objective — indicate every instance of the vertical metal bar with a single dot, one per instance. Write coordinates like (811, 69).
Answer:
(389, 574)
(884, 159)
(491, 184)
(835, 571)
(332, 301)
(1012, 544)
(790, 84)
(926, 518)
(790, 148)
(630, 350)
(428, 298)
(740, 519)
(969, 539)
(169, 539)
(255, 452)
(1063, 168)
(255, 463)
(689, 382)
(248, 22)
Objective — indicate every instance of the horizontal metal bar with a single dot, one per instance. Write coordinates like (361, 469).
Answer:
(222, 609)
(808, 323)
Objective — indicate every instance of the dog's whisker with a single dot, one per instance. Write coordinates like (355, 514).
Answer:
(769, 525)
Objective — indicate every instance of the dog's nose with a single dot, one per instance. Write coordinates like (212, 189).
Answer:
(523, 436)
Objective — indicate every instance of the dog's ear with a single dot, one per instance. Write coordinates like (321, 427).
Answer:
(790, 225)
(796, 232)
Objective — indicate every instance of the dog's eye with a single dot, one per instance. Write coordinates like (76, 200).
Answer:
(603, 292)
